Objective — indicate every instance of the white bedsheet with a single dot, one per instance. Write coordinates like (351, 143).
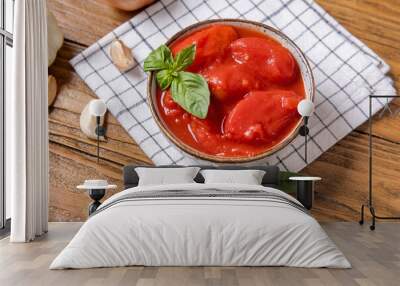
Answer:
(200, 231)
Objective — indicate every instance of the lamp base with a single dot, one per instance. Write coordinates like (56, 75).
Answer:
(374, 216)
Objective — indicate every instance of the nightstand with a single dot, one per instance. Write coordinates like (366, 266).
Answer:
(305, 190)
(96, 190)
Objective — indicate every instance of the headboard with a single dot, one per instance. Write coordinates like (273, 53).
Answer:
(271, 177)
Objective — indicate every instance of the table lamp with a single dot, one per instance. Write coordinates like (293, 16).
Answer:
(305, 108)
(98, 108)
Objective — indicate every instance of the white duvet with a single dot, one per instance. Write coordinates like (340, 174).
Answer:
(185, 231)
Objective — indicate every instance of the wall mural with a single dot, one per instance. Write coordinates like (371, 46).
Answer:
(99, 52)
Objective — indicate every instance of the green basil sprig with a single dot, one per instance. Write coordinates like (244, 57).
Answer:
(189, 90)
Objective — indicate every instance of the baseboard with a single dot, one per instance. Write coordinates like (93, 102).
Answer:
(5, 231)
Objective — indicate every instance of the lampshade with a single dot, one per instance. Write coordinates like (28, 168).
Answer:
(305, 107)
(97, 107)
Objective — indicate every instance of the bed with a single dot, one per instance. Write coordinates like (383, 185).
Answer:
(201, 224)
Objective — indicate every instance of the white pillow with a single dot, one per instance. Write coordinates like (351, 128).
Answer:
(248, 177)
(165, 176)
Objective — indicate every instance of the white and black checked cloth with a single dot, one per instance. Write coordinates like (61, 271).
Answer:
(345, 70)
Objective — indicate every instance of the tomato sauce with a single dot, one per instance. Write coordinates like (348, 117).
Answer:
(255, 87)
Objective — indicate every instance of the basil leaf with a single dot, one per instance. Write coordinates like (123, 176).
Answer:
(191, 92)
(164, 79)
(159, 59)
(185, 58)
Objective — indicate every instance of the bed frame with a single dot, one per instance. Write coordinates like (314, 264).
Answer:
(272, 178)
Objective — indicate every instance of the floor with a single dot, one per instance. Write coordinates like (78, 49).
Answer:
(375, 257)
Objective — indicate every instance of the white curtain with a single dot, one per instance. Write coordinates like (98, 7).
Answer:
(27, 125)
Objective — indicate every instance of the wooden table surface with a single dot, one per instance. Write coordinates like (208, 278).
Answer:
(344, 167)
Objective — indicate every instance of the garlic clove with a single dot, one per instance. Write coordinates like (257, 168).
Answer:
(55, 37)
(121, 55)
(88, 123)
(128, 5)
(52, 89)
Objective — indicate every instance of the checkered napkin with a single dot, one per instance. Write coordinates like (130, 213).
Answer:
(345, 70)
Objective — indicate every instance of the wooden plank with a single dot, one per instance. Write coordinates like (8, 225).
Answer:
(343, 168)
(376, 23)
(72, 154)
(86, 21)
